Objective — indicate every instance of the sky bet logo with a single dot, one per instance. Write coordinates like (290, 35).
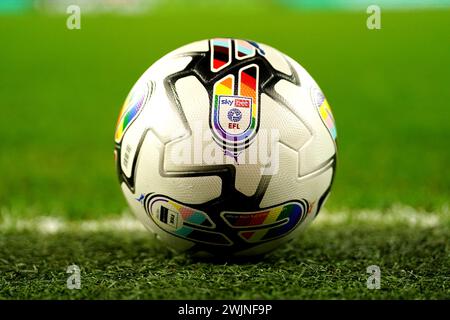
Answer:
(235, 113)
(240, 102)
(225, 101)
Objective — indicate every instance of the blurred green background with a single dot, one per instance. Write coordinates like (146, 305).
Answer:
(61, 91)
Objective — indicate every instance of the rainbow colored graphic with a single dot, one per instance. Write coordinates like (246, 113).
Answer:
(247, 89)
(271, 223)
(220, 53)
(130, 110)
(190, 215)
(328, 119)
(253, 227)
(243, 49)
(183, 221)
(235, 137)
(223, 87)
(324, 108)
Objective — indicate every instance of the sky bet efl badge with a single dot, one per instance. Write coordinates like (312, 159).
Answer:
(235, 116)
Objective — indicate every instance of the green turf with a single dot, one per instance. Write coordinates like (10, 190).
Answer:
(327, 261)
(61, 92)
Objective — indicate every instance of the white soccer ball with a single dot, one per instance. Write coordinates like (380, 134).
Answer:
(226, 147)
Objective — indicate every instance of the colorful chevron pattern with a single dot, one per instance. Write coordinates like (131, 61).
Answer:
(328, 119)
(248, 87)
(183, 221)
(270, 223)
(243, 49)
(221, 54)
(227, 95)
(324, 109)
(131, 109)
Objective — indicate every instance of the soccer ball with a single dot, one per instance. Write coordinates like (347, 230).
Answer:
(225, 147)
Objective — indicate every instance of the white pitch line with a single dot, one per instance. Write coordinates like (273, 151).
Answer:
(52, 225)
(397, 215)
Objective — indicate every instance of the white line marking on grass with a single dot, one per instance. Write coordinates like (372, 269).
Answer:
(52, 225)
(124, 223)
(395, 216)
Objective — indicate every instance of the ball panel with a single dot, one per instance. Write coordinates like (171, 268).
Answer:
(195, 149)
(151, 177)
(276, 59)
(163, 117)
(155, 114)
(321, 147)
(306, 80)
(288, 185)
(276, 116)
(248, 177)
(193, 96)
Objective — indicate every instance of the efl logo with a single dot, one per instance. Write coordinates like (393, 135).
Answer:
(235, 114)
(234, 117)
(242, 103)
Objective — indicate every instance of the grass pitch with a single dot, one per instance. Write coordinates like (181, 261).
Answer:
(118, 259)
(60, 95)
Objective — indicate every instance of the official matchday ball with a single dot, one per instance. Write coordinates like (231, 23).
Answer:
(225, 147)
